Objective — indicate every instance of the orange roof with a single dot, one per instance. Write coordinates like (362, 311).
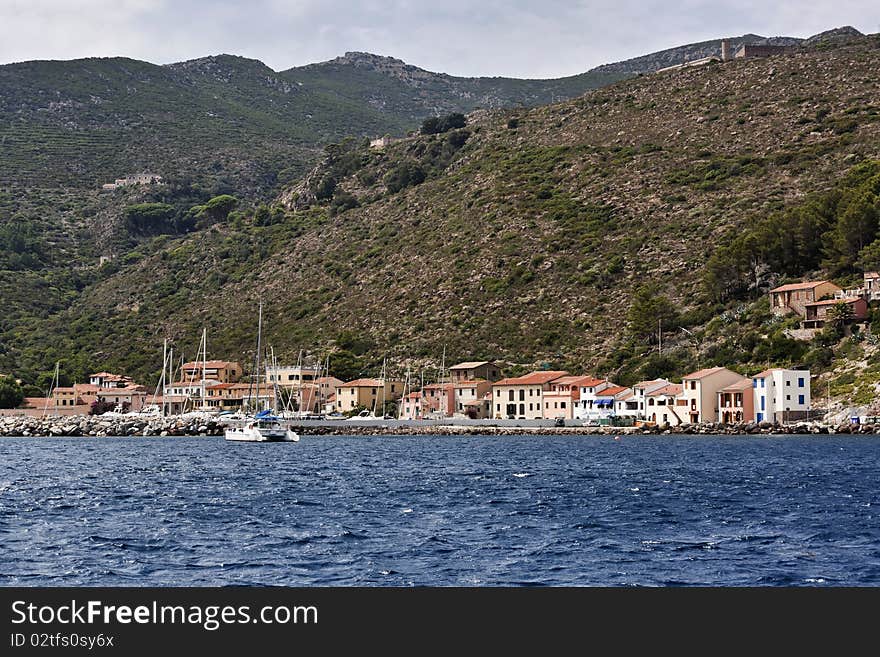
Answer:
(834, 302)
(471, 383)
(611, 391)
(101, 374)
(220, 386)
(738, 386)
(413, 395)
(671, 389)
(439, 386)
(699, 374)
(648, 384)
(806, 285)
(209, 363)
(86, 387)
(573, 380)
(362, 383)
(470, 365)
(872, 274)
(533, 378)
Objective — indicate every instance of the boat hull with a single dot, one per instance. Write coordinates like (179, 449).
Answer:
(261, 435)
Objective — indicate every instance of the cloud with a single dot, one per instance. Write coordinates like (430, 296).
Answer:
(517, 38)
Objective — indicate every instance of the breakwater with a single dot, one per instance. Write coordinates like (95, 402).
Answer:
(209, 425)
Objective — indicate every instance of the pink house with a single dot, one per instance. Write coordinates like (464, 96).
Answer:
(562, 397)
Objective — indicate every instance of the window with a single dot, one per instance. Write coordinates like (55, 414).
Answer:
(510, 395)
(547, 405)
(531, 392)
(693, 385)
(498, 407)
(555, 405)
(800, 399)
(538, 392)
(762, 383)
(651, 401)
(762, 403)
(522, 395)
(530, 407)
(800, 382)
(561, 404)
(522, 409)
(754, 383)
(788, 383)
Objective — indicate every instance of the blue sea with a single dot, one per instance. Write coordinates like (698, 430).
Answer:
(441, 511)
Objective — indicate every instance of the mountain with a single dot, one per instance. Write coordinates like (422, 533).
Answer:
(680, 54)
(529, 235)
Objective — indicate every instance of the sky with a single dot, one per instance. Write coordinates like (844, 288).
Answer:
(512, 38)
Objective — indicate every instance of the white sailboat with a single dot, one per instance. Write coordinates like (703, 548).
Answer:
(265, 426)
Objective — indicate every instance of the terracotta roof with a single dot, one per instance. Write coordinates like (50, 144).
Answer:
(834, 302)
(470, 365)
(103, 375)
(472, 382)
(220, 386)
(573, 380)
(611, 391)
(86, 387)
(671, 389)
(439, 386)
(533, 378)
(872, 274)
(413, 395)
(738, 386)
(648, 384)
(210, 363)
(806, 285)
(699, 374)
(766, 373)
(327, 379)
(362, 383)
(591, 382)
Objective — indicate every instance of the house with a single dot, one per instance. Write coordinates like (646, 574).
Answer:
(662, 405)
(626, 405)
(370, 394)
(438, 399)
(792, 298)
(736, 403)
(329, 404)
(781, 395)
(108, 380)
(479, 409)
(483, 369)
(411, 406)
(640, 394)
(700, 393)
(818, 312)
(603, 406)
(382, 142)
(871, 285)
(288, 377)
(564, 394)
(522, 397)
(468, 391)
(212, 370)
(589, 388)
(760, 50)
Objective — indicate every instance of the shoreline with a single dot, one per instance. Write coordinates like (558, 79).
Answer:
(174, 426)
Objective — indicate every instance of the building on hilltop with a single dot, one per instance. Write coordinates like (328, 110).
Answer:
(792, 298)
(760, 50)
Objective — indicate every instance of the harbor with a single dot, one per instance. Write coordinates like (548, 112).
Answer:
(204, 424)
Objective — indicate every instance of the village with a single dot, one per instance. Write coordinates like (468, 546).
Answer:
(478, 390)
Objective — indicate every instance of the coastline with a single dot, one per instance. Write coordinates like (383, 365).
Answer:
(204, 425)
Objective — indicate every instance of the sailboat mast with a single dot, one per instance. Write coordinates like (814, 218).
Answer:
(259, 347)
(204, 364)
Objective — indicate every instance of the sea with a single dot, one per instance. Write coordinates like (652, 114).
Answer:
(441, 511)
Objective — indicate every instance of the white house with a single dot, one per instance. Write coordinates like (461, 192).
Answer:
(663, 407)
(587, 396)
(781, 395)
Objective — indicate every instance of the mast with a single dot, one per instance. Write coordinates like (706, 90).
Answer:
(259, 346)
(52, 385)
(170, 379)
(204, 364)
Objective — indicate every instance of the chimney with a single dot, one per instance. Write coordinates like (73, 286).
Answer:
(725, 50)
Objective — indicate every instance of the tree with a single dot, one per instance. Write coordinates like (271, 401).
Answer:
(150, 218)
(435, 125)
(840, 314)
(215, 210)
(11, 394)
(650, 310)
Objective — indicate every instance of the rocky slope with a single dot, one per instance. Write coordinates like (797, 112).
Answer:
(528, 239)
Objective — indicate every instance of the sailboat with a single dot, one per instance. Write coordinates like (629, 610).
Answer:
(265, 426)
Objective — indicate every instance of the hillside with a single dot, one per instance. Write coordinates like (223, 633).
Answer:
(527, 236)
